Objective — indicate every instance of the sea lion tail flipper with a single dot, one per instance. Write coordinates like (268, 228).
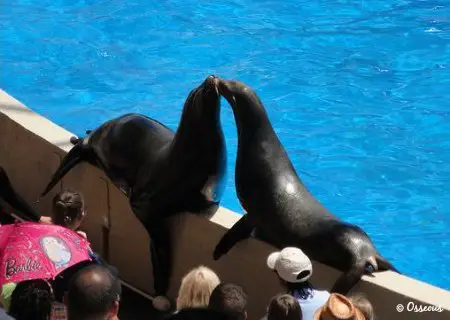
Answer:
(349, 278)
(239, 231)
(76, 155)
(7, 192)
(384, 265)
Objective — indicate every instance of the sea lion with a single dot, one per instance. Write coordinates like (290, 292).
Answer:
(166, 172)
(279, 207)
(10, 196)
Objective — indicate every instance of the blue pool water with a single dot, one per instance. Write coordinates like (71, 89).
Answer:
(358, 92)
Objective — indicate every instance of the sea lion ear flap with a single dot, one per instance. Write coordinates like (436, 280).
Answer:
(304, 274)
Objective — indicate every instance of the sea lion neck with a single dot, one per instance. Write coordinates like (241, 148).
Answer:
(200, 115)
(251, 119)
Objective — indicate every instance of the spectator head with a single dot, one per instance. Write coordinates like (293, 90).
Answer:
(196, 288)
(94, 293)
(230, 299)
(68, 209)
(338, 307)
(284, 307)
(361, 302)
(294, 269)
(32, 299)
(291, 265)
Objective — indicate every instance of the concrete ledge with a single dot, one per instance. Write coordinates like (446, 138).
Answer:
(31, 150)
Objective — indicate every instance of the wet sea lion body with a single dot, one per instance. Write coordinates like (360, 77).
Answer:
(280, 209)
(163, 172)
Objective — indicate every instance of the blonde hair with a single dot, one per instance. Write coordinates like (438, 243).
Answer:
(196, 288)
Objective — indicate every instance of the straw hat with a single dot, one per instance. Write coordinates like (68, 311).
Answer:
(338, 307)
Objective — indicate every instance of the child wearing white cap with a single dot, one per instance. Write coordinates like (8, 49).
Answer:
(294, 269)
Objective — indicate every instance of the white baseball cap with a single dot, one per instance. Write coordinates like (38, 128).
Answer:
(291, 264)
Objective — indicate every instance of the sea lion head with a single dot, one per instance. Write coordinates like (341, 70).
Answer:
(204, 100)
(237, 93)
(248, 108)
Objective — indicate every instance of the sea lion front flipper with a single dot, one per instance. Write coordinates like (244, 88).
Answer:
(349, 278)
(239, 231)
(161, 253)
(384, 264)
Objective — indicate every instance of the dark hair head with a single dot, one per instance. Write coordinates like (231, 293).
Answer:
(229, 298)
(68, 206)
(92, 292)
(361, 302)
(284, 306)
(31, 300)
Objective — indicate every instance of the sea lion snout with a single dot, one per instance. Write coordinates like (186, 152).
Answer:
(210, 84)
(210, 81)
(233, 91)
(226, 90)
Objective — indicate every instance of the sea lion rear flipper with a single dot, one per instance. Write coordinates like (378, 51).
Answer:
(76, 155)
(7, 192)
(349, 278)
(239, 231)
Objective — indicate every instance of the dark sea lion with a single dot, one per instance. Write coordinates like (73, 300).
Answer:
(10, 196)
(279, 207)
(165, 172)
